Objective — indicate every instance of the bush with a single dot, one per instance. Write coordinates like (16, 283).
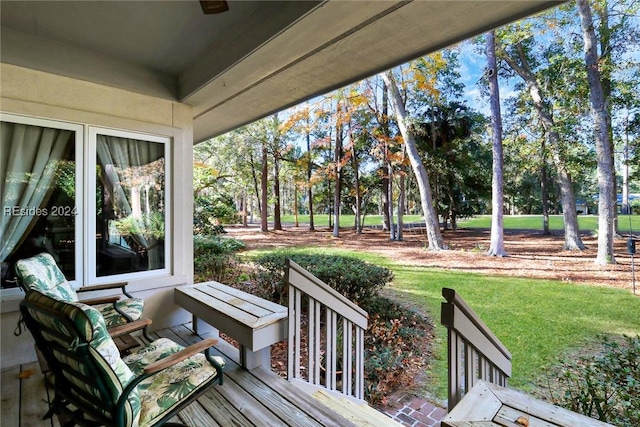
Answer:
(214, 258)
(605, 386)
(394, 345)
(209, 213)
(357, 280)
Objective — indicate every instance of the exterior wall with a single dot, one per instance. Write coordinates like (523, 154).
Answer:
(38, 94)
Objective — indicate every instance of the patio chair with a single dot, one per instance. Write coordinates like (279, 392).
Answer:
(41, 273)
(95, 386)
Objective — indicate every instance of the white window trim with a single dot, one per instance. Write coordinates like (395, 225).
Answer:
(91, 161)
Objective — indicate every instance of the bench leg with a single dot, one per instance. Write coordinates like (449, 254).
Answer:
(202, 328)
(252, 359)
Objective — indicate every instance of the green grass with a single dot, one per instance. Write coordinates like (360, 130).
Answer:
(525, 222)
(537, 320)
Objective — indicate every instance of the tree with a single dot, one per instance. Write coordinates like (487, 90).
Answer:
(519, 62)
(496, 247)
(434, 237)
(604, 150)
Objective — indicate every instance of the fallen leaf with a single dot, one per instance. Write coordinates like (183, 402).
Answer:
(26, 373)
(523, 421)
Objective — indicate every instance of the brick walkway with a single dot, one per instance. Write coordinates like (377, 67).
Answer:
(413, 411)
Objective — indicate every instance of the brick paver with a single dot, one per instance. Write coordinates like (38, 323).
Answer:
(414, 411)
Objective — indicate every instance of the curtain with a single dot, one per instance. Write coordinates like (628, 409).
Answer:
(129, 168)
(29, 159)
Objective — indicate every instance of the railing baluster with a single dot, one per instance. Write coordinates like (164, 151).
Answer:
(338, 313)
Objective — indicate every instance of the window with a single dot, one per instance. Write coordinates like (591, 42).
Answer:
(129, 204)
(40, 194)
(46, 205)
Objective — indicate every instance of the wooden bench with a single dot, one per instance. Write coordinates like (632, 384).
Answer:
(253, 321)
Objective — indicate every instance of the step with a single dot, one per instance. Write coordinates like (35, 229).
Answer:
(359, 414)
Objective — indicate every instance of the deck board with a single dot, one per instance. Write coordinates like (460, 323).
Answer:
(10, 396)
(252, 398)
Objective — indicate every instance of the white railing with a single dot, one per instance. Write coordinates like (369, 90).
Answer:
(474, 352)
(330, 330)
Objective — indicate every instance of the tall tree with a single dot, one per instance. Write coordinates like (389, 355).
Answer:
(434, 237)
(604, 150)
(496, 247)
(519, 62)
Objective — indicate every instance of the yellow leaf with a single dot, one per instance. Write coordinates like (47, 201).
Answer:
(26, 373)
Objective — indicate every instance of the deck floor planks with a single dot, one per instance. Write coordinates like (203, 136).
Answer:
(195, 415)
(255, 399)
(10, 407)
(246, 399)
(33, 409)
(311, 406)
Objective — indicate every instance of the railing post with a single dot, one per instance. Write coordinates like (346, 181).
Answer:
(474, 352)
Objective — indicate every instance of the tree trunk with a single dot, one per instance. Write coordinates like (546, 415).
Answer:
(392, 227)
(264, 209)
(309, 171)
(496, 247)
(245, 221)
(277, 222)
(599, 111)
(572, 239)
(401, 198)
(384, 196)
(605, 66)
(434, 237)
(387, 200)
(544, 194)
(296, 223)
(356, 175)
(337, 158)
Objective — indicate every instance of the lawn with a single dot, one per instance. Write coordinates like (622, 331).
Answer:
(521, 222)
(537, 320)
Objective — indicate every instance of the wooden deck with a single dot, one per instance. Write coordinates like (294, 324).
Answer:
(248, 398)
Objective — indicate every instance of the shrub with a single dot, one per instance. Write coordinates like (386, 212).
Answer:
(394, 345)
(214, 258)
(605, 386)
(210, 213)
(357, 280)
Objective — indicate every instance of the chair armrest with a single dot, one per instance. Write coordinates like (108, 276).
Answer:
(106, 286)
(180, 356)
(127, 328)
(101, 287)
(103, 300)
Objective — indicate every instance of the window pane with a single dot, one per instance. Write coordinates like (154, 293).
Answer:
(38, 183)
(130, 205)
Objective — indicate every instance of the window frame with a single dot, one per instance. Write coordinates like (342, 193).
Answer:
(91, 226)
(85, 180)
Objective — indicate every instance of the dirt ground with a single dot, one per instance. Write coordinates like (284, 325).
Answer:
(531, 254)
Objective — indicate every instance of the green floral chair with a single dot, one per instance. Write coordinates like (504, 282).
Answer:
(95, 386)
(41, 273)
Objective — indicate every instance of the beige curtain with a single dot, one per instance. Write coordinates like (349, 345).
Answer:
(27, 168)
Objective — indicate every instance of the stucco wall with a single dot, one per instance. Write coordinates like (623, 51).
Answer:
(38, 94)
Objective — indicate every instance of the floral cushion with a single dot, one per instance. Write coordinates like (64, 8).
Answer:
(112, 373)
(132, 307)
(163, 391)
(41, 273)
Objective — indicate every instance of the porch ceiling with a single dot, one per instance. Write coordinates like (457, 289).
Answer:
(235, 67)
